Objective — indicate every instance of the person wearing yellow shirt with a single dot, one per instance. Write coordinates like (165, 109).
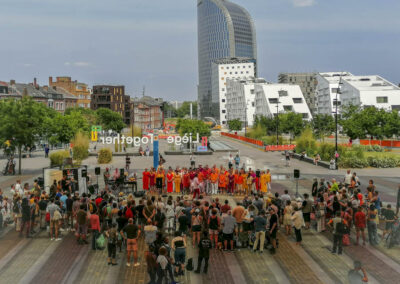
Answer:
(268, 179)
(177, 180)
(263, 182)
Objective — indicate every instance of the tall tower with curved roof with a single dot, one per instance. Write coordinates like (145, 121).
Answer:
(225, 30)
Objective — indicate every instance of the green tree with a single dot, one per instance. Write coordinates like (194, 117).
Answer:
(22, 122)
(110, 120)
(392, 124)
(351, 122)
(323, 125)
(235, 124)
(291, 123)
(186, 126)
(169, 110)
(184, 110)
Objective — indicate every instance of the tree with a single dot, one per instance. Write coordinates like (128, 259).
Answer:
(323, 125)
(109, 120)
(184, 110)
(392, 124)
(291, 123)
(187, 126)
(169, 110)
(351, 122)
(22, 122)
(235, 124)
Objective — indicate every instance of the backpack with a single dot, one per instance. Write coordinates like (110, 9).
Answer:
(340, 228)
(189, 266)
(128, 213)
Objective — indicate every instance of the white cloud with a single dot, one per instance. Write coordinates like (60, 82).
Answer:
(78, 64)
(304, 3)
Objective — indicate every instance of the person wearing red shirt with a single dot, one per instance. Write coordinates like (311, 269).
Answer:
(186, 181)
(360, 222)
(152, 177)
(225, 208)
(95, 226)
(98, 201)
(146, 179)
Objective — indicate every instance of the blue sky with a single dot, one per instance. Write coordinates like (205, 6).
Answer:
(154, 42)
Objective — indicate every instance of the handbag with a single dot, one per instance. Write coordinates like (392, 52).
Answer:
(57, 215)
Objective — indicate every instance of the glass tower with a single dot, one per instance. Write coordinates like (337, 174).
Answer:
(225, 30)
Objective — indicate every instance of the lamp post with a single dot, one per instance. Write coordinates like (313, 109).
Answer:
(277, 122)
(336, 122)
(245, 118)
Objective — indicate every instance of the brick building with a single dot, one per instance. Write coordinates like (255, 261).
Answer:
(51, 97)
(75, 88)
(148, 112)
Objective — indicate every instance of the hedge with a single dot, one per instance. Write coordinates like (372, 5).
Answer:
(105, 156)
(57, 158)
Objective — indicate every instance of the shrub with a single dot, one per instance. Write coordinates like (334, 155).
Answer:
(57, 158)
(384, 162)
(271, 140)
(306, 143)
(80, 151)
(352, 162)
(105, 156)
(257, 132)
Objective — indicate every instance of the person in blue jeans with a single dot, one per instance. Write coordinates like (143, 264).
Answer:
(179, 246)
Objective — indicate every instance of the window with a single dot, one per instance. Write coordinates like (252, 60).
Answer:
(305, 115)
(396, 107)
(297, 100)
(223, 89)
(222, 78)
(338, 103)
(225, 73)
(381, 100)
(247, 72)
(287, 108)
(230, 73)
(222, 67)
(223, 111)
(57, 107)
(233, 67)
(223, 100)
(273, 101)
(283, 93)
(334, 90)
(252, 91)
(227, 67)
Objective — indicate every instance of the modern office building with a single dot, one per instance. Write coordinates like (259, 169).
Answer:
(79, 90)
(225, 30)
(240, 99)
(221, 71)
(326, 92)
(307, 83)
(272, 99)
(372, 90)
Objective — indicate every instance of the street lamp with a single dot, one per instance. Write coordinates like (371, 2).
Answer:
(277, 122)
(245, 118)
(336, 122)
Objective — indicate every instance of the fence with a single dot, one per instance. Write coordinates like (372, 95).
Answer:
(260, 143)
(244, 139)
(383, 143)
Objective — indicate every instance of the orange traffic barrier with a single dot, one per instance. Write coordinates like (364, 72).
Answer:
(271, 148)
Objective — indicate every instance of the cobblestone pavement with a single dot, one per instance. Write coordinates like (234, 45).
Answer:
(39, 260)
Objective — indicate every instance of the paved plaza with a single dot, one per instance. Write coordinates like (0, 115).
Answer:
(39, 260)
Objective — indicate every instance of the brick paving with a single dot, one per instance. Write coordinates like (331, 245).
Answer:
(374, 265)
(59, 264)
(19, 265)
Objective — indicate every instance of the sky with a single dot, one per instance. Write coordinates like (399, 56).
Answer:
(153, 43)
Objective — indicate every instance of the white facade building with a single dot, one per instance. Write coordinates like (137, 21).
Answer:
(371, 90)
(326, 91)
(279, 98)
(240, 99)
(222, 70)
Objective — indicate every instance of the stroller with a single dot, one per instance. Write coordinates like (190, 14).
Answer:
(394, 236)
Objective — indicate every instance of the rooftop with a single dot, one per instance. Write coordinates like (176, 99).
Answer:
(234, 60)
(371, 83)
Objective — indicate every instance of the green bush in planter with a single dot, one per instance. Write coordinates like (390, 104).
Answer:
(306, 143)
(105, 156)
(352, 162)
(57, 158)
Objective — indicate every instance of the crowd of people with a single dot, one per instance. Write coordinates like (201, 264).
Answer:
(195, 216)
